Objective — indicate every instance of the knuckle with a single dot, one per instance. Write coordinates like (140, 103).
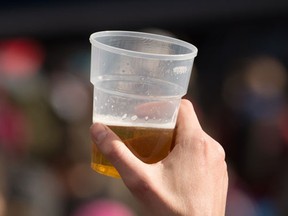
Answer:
(206, 145)
(200, 142)
(218, 150)
(218, 154)
(221, 151)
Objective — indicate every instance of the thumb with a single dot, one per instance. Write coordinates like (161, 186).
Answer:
(111, 146)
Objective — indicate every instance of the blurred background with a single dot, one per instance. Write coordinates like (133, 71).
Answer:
(238, 86)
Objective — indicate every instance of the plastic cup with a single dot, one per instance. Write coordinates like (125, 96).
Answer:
(139, 80)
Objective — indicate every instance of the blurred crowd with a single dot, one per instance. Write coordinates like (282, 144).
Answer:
(242, 86)
(239, 89)
(45, 115)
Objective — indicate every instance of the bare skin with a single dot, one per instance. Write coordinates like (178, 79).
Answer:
(191, 181)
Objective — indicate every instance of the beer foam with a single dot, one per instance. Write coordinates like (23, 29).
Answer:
(118, 121)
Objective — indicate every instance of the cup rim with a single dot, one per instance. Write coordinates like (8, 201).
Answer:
(186, 56)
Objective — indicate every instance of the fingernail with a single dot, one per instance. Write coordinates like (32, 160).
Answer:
(99, 132)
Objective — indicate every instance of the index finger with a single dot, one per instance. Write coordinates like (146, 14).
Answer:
(187, 123)
(187, 119)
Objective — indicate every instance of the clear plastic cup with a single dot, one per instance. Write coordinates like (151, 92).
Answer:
(139, 80)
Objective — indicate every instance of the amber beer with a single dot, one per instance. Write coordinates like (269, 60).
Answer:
(149, 144)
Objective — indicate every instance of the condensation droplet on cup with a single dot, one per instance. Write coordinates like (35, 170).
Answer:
(124, 116)
(134, 117)
(146, 118)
